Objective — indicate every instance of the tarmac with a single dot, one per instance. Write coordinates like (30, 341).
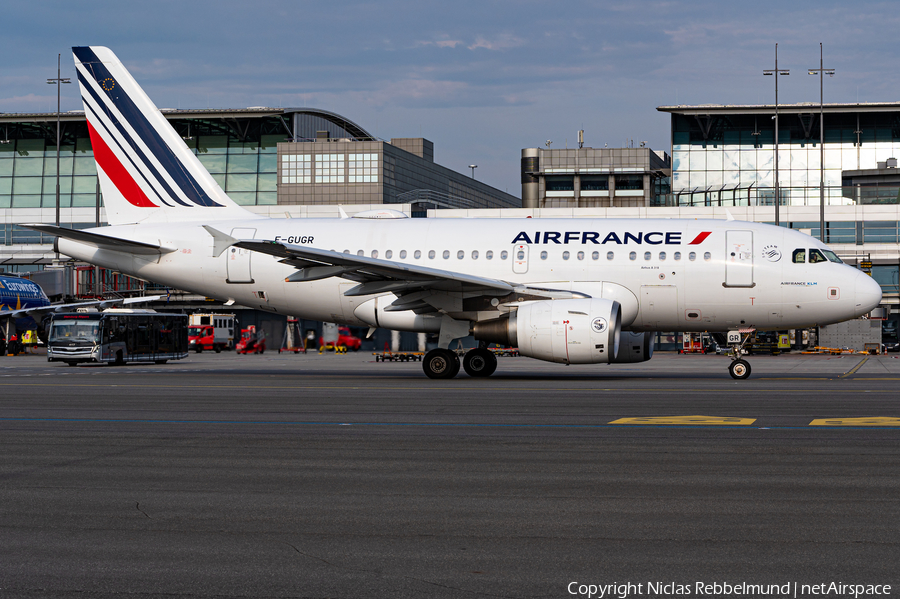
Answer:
(338, 476)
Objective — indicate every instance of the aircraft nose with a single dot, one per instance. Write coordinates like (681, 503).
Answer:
(867, 294)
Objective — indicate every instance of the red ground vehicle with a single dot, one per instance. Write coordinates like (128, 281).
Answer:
(203, 338)
(251, 341)
(345, 338)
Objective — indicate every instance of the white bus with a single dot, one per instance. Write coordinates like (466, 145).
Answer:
(117, 336)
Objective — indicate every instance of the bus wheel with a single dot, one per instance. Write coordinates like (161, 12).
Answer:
(218, 349)
(120, 358)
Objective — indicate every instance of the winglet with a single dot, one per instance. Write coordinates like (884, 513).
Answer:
(221, 241)
(728, 214)
(343, 214)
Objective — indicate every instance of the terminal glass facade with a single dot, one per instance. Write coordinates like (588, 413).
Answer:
(729, 159)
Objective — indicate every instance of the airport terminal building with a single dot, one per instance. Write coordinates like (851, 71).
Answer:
(724, 156)
(273, 161)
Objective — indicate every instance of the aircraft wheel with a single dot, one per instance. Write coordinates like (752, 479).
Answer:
(480, 362)
(440, 364)
(739, 369)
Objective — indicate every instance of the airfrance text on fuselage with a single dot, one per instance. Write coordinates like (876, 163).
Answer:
(584, 237)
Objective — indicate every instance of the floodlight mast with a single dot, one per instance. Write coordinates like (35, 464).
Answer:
(821, 72)
(59, 80)
(776, 71)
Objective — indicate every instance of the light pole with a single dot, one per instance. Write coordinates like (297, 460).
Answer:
(776, 72)
(821, 72)
(58, 81)
(473, 167)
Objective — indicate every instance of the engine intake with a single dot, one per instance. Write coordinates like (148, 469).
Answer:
(572, 331)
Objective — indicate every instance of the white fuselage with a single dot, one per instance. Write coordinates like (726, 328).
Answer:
(738, 275)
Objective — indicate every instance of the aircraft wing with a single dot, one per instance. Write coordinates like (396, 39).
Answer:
(104, 242)
(100, 304)
(419, 288)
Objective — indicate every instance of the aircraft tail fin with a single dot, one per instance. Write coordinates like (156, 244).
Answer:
(147, 173)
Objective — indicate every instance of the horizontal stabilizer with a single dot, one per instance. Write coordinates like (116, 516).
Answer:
(104, 242)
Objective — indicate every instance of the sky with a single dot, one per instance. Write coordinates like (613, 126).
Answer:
(481, 80)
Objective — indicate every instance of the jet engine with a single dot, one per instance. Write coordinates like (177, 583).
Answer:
(634, 347)
(571, 331)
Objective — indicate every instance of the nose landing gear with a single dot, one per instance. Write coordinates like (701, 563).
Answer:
(739, 368)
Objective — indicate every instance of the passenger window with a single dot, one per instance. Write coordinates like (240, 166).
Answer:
(360, 253)
(707, 256)
(460, 255)
(581, 255)
(544, 255)
(800, 256)
(374, 253)
(446, 254)
(388, 254)
(692, 256)
(520, 255)
(815, 256)
(646, 255)
(417, 254)
(431, 254)
(504, 255)
(402, 254)
(632, 256)
(565, 255)
(346, 251)
(474, 254)
(677, 256)
(489, 254)
(662, 256)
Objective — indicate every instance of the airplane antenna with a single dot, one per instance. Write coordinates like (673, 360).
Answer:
(728, 215)
(343, 214)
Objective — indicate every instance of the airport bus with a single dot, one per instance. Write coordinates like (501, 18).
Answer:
(117, 336)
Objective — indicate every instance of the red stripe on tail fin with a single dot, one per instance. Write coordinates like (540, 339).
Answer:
(117, 173)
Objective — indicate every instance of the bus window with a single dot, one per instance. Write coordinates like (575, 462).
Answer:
(800, 256)
(815, 256)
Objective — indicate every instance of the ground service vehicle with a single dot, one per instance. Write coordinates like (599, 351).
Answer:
(211, 332)
(251, 341)
(117, 336)
(345, 338)
(572, 291)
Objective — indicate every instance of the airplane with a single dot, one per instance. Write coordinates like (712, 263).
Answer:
(23, 306)
(572, 291)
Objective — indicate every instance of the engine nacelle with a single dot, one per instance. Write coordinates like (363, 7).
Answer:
(634, 347)
(572, 331)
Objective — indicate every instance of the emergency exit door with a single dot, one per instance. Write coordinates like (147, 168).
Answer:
(739, 259)
(238, 259)
(520, 259)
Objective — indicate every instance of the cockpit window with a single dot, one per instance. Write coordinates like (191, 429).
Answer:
(800, 256)
(815, 256)
(832, 256)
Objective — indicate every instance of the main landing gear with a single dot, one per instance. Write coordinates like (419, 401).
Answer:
(444, 364)
(739, 368)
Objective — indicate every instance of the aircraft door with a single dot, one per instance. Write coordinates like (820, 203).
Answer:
(239, 258)
(520, 259)
(739, 259)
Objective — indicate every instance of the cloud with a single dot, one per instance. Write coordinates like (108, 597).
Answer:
(28, 101)
(504, 41)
